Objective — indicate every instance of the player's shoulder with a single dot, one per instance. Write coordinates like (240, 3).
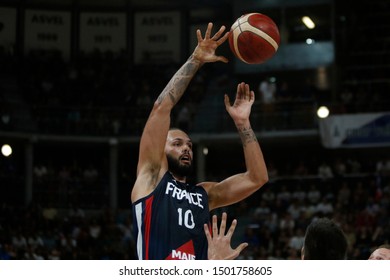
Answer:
(207, 186)
(145, 184)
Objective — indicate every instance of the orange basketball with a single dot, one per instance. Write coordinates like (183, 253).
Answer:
(254, 38)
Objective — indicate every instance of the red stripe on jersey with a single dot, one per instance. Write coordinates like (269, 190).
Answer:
(147, 221)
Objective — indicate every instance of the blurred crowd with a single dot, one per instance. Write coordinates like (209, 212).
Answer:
(277, 226)
(37, 233)
(99, 93)
(104, 93)
(355, 194)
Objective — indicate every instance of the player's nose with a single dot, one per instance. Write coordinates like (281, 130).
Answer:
(186, 149)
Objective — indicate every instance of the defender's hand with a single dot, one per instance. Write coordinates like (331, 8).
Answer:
(219, 243)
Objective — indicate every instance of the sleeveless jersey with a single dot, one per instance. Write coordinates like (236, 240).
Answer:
(168, 223)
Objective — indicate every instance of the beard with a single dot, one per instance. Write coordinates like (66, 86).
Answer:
(177, 168)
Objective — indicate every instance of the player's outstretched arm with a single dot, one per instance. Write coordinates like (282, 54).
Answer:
(219, 243)
(240, 186)
(152, 162)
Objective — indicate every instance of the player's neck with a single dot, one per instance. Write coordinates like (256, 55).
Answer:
(181, 179)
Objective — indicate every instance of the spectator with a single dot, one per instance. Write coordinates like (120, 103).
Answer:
(325, 207)
(267, 92)
(296, 241)
(299, 194)
(325, 171)
(314, 195)
(287, 222)
(40, 172)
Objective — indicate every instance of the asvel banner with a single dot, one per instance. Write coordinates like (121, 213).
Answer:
(356, 130)
(157, 37)
(47, 30)
(103, 31)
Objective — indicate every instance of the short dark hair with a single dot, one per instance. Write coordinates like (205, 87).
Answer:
(324, 240)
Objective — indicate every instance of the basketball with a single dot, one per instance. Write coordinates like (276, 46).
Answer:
(254, 38)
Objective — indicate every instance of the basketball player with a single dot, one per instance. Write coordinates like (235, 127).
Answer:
(169, 214)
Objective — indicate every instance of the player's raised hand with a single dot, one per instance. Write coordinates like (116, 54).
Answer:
(241, 108)
(207, 45)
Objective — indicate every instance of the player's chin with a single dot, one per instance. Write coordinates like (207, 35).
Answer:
(186, 164)
(184, 170)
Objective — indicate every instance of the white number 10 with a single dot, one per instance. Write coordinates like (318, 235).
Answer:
(188, 218)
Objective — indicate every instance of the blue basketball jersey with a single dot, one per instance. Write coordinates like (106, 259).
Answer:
(168, 223)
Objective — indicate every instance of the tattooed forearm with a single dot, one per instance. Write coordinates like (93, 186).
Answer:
(179, 82)
(170, 91)
(247, 135)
